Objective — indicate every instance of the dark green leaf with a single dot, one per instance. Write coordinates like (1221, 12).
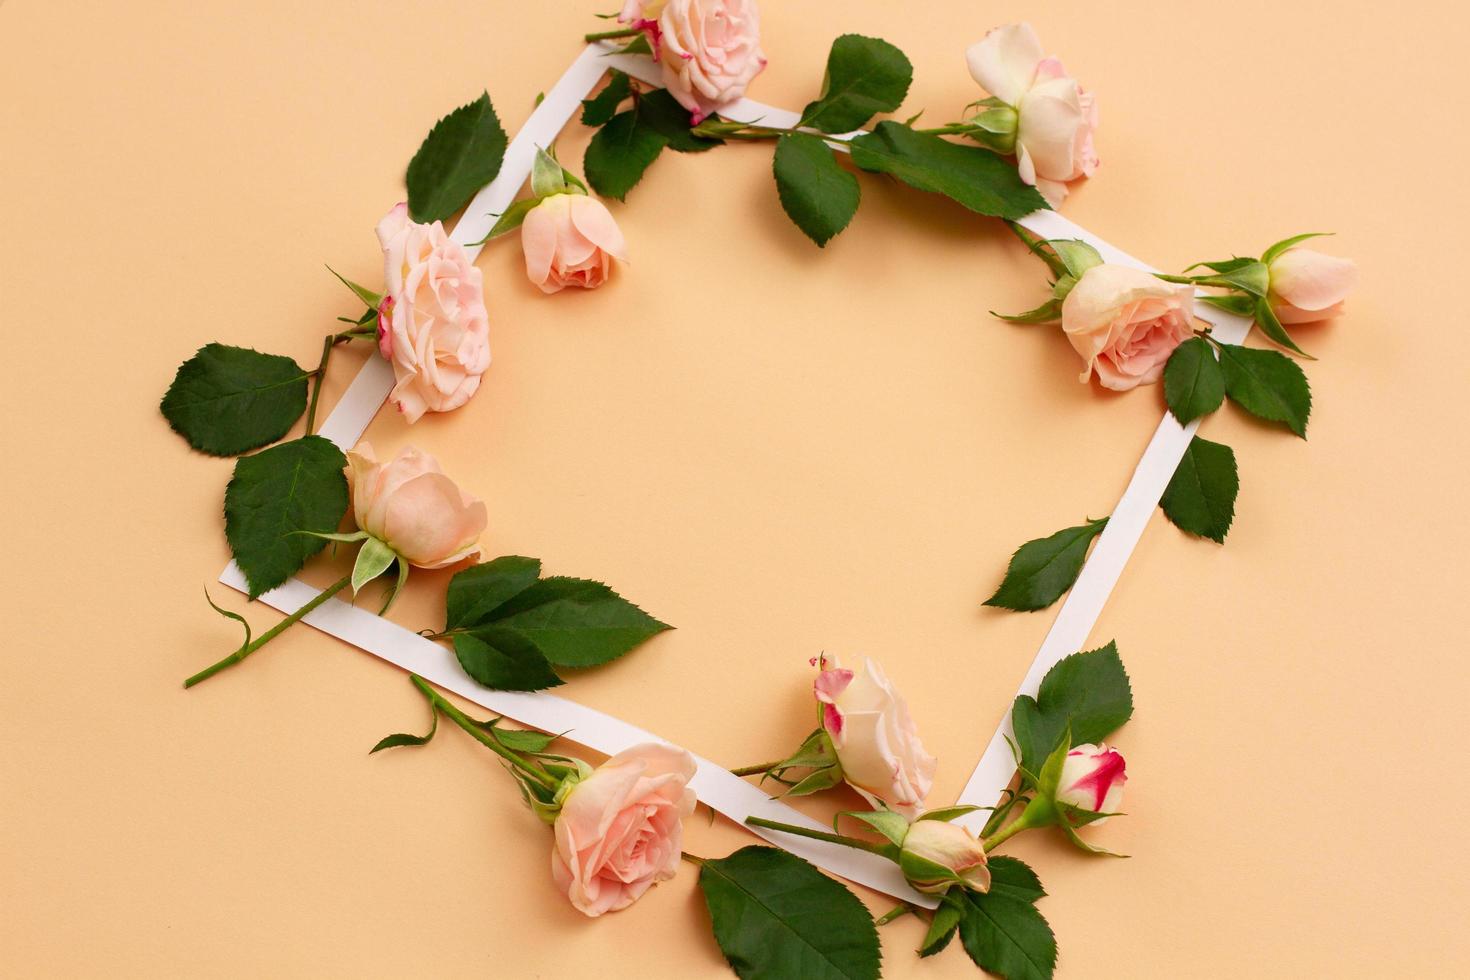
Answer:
(1041, 570)
(461, 154)
(228, 400)
(1086, 692)
(1008, 937)
(1193, 384)
(815, 191)
(577, 622)
(600, 108)
(1268, 384)
(976, 178)
(1014, 877)
(1272, 328)
(662, 113)
(865, 76)
(274, 496)
(1200, 497)
(405, 738)
(477, 591)
(776, 916)
(619, 154)
(944, 924)
(504, 660)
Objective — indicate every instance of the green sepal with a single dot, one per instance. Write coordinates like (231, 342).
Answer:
(373, 559)
(396, 589)
(1247, 275)
(1272, 253)
(1076, 255)
(1048, 312)
(886, 822)
(815, 782)
(1239, 304)
(368, 297)
(342, 537)
(949, 813)
(944, 924)
(1270, 326)
(549, 177)
(920, 871)
(639, 45)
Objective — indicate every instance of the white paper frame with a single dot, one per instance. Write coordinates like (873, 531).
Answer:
(720, 789)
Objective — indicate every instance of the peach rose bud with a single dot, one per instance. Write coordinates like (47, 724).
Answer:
(1092, 779)
(876, 740)
(1307, 286)
(936, 855)
(1125, 323)
(621, 830)
(432, 324)
(570, 240)
(413, 508)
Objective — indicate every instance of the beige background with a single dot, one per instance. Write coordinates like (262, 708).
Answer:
(777, 449)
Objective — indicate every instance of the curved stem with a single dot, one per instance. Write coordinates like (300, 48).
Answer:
(271, 633)
(319, 375)
(862, 845)
(486, 739)
(761, 769)
(1015, 827)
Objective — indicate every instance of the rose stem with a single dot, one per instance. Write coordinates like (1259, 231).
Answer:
(271, 633)
(611, 35)
(862, 845)
(764, 767)
(319, 375)
(1016, 826)
(483, 737)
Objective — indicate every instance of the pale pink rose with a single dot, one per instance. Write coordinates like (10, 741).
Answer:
(1092, 779)
(432, 325)
(571, 240)
(621, 829)
(709, 50)
(1308, 286)
(1056, 117)
(875, 738)
(948, 845)
(413, 508)
(1125, 323)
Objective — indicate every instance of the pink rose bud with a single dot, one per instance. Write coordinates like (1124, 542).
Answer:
(937, 855)
(1308, 286)
(570, 240)
(875, 738)
(1056, 118)
(1092, 779)
(709, 50)
(1125, 323)
(413, 508)
(620, 830)
(432, 326)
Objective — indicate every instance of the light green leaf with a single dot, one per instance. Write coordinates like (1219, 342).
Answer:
(577, 622)
(504, 660)
(775, 916)
(1200, 497)
(475, 593)
(1270, 326)
(619, 154)
(976, 178)
(1087, 693)
(1268, 384)
(228, 400)
(276, 495)
(816, 193)
(865, 76)
(1008, 937)
(1193, 384)
(461, 154)
(1041, 570)
(373, 559)
(600, 108)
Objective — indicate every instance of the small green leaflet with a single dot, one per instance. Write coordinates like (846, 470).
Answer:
(461, 154)
(975, 177)
(1041, 570)
(775, 915)
(1007, 936)
(407, 738)
(1268, 384)
(1193, 383)
(1200, 497)
(865, 76)
(1088, 692)
(815, 191)
(504, 660)
(619, 154)
(229, 400)
(601, 107)
(1270, 326)
(276, 495)
(1014, 877)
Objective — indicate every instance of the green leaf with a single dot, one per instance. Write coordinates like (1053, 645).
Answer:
(1014, 878)
(662, 113)
(577, 622)
(1272, 328)
(522, 740)
(944, 924)
(619, 154)
(976, 178)
(228, 400)
(1008, 937)
(461, 154)
(1087, 693)
(479, 590)
(777, 916)
(373, 559)
(274, 496)
(865, 76)
(1041, 570)
(1200, 497)
(600, 108)
(815, 191)
(504, 660)
(1193, 383)
(406, 738)
(1268, 384)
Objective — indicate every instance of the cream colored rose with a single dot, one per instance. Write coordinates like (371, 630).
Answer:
(935, 853)
(1308, 286)
(875, 737)
(413, 508)
(709, 50)
(1125, 323)
(621, 829)
(570, 240)
(432, 325)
